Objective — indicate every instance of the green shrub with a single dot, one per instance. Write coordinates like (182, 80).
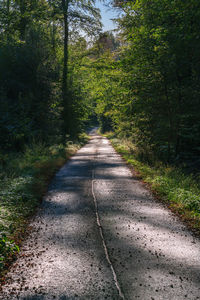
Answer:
(7, 248)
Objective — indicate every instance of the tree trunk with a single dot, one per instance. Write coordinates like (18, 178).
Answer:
(66, 113)
(23, 20)
(180, 104)
(8, 20)
(169, 113)
(53, 37)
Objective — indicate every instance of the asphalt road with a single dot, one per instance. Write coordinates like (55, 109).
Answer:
(100, 235)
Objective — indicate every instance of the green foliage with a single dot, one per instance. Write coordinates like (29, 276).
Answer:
(7, 249)
(156, 101)
(143, 84)
(169, 182)
(31, 105)
(78, 15)
(27, 80)
(31, 64)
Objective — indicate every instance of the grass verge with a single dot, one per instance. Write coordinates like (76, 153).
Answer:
(169, 184)
(24, 179)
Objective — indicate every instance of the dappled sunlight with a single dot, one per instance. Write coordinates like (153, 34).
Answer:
(142, 236)
(138, 244)
(146, 222)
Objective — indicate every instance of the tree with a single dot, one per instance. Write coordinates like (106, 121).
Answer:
(80, 14)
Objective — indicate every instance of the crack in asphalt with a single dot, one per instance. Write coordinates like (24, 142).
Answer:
(103, 240)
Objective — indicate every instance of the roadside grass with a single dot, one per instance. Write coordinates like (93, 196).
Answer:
(24, 179)
(169, 184)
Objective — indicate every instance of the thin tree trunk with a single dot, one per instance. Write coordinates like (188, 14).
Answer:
(179, 102)
(53, 37)
(66, 115)
(23, 21)
(8, 22)
(169, 119)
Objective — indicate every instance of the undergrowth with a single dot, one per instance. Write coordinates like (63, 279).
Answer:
(24, 178)
(169, 183)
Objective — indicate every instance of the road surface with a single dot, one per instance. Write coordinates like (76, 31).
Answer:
(100, 235)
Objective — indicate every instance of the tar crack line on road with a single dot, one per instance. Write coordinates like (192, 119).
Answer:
(103, 240)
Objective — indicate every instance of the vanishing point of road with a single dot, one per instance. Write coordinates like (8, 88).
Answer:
(99, 234)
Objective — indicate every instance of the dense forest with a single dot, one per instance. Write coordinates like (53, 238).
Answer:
(142, 82)
(40, 90)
